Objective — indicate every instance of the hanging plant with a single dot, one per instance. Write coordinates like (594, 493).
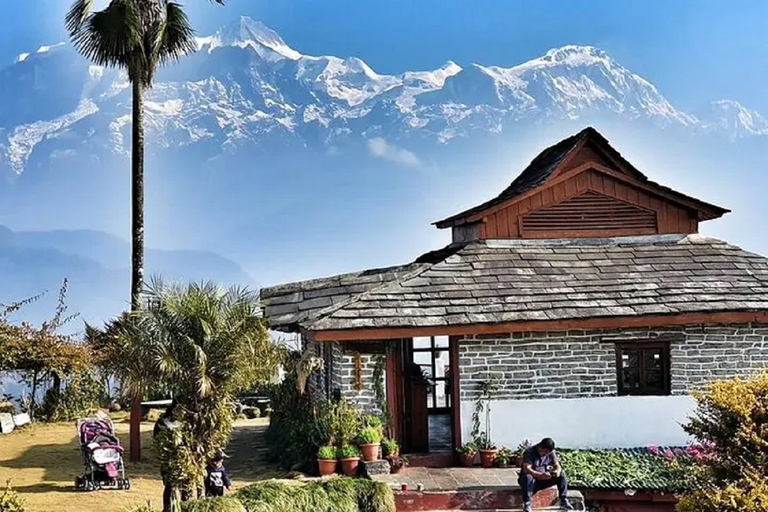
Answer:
(306, 365)
(358, 376)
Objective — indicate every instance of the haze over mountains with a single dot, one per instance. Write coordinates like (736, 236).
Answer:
(268, 156)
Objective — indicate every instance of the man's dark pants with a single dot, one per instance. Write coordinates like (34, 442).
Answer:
(531, 486)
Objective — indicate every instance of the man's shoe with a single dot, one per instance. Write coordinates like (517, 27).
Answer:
(566, 505)
(527, 506)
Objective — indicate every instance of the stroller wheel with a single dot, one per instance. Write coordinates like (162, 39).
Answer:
(88, 486)
(127, 484)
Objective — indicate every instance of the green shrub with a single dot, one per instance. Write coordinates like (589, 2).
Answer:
(298, 426)
(344, 422)
(224, 504)
(374, 421)
(79, 398)
(349, 451)
(333, 495)
(369, 435)
(730, 424)
(389, 447)
(10, 501)
(326, 453)
(374, 496)
(467, 449)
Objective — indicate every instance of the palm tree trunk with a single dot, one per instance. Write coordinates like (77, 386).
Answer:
(137, 241)
(137, 197)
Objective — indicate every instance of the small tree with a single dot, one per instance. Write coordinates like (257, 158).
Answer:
(731, 420)
(41, 353)
(203, 343)
(487, 389)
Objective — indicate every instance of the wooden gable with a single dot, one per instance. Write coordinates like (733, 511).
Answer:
(581, 187)
(588, 203)
(588, 213)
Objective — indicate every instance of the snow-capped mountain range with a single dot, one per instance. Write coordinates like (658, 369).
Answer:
(247, 87)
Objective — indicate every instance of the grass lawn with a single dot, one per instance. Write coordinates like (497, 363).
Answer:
(42, 461)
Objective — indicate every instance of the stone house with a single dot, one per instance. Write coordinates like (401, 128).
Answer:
(584, 290)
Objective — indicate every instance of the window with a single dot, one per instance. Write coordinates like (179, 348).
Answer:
(431, 355)
(642, 368)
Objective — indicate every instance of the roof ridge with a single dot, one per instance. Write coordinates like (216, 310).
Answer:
(293, 286)
(423, 266)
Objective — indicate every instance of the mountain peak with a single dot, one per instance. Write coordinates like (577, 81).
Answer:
(246, 31)
(734, 118)
(576, 55)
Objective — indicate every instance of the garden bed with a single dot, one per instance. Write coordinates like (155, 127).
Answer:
(652, 468)
(335, 494)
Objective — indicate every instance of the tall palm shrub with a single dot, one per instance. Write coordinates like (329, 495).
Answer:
(136, 36)
(202, 342)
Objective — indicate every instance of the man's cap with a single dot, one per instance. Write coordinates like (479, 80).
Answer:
(220, 455)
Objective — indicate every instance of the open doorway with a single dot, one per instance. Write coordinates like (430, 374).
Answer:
(428, 390)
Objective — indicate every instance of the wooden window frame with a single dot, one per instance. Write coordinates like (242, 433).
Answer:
(665, 371)
(449, 398)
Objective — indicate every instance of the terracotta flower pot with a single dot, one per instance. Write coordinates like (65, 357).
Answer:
(488, 457)
(370, 451)
(467, 459)
(349, 466)
(327, 466)
(516, 461)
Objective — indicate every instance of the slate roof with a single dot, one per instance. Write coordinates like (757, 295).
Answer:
(497, 281)
(545, 164)
(286, 306)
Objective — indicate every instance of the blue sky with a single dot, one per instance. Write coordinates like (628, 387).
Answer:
(693, 50)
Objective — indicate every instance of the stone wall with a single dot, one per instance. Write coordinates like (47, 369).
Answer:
(365, 398)
(580, 364)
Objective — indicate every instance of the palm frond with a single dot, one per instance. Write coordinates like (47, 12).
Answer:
(112, 36)
(175, 36)
(77, 15)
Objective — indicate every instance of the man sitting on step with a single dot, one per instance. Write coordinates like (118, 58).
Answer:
(540, 470)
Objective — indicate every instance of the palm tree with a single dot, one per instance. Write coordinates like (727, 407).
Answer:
(202, 342)
(136, 36)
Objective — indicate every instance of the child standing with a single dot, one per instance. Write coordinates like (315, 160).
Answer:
(216, 477)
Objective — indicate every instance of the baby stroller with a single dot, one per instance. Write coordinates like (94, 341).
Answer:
(102, 456)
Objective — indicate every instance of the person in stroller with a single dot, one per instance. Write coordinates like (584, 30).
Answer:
(216, 477)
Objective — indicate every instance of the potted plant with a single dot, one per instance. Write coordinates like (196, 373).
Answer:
(369, 440)
(467, 453)
(487, 450)
(350, 459)
(390, 448)
(397, 463)
(517, 456)
(504, 457)
(326, 460)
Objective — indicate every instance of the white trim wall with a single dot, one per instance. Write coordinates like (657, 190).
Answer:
(564, 384)
(602, 422)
